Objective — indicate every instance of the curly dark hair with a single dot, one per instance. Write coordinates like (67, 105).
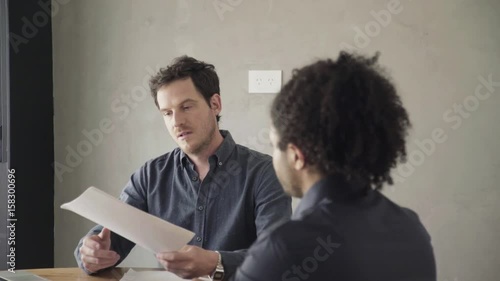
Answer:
(346, 118)
(202, 74)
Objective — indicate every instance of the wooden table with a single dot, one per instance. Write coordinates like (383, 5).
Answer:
(75, 273)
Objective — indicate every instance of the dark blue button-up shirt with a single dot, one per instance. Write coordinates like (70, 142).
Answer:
(239, 198)
(343, 232)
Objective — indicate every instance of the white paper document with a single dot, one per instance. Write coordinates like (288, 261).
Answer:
(133, 275)
(144, 229)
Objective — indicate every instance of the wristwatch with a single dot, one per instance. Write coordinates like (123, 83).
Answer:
(218, 273)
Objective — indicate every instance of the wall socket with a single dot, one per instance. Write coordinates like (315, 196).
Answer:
(264, 81)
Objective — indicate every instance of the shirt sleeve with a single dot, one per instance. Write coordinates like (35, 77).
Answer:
(133, 194)
(267, 259)
(231, 260)
(272, 205)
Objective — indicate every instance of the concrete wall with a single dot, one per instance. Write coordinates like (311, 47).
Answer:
(438, 52)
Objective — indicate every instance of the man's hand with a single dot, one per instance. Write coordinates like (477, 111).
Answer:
(95, 253)
(189, 262)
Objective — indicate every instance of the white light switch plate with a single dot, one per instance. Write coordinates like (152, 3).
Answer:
(264, 81)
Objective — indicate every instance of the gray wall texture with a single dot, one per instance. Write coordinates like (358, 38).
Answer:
(442, 55)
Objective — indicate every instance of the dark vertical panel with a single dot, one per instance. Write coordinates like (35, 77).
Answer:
(4, 109)
(31, 130)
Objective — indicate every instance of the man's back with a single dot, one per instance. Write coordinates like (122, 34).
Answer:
(336, 235)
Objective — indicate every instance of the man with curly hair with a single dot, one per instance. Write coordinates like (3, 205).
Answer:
(338, 128)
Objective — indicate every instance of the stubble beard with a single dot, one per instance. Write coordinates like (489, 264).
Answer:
(205, 143)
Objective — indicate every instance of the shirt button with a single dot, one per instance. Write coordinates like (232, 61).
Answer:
(194, 178)
(220, 163)
(198, 239)
(200, 208)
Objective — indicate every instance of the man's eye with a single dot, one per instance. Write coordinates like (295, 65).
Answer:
(186, 107)
(167, 113)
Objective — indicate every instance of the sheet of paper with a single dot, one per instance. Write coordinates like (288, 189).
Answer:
(144, 229)
(21, 276)
(133, 275)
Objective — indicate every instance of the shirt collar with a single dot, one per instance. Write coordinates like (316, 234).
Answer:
(329, 189)
(221, 154)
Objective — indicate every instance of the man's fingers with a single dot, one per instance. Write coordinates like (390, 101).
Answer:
(173, 267)
(189, 262)
(166, 256)
(92, 267)
(105, 234)
(93, 242)
(89, 261)
(173, 257)
(181, 270)
(98, 241)
(95, 253)
(97, 260)
(98, 253)
(172, 261)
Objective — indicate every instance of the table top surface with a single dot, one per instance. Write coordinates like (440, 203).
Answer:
(75, 273)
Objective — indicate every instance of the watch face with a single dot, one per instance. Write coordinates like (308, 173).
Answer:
(218, 275)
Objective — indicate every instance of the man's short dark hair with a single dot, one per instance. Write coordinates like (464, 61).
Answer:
(202, 74)
(346, 118)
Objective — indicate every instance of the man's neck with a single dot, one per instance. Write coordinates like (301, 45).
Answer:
(200, 160)
(309, 178)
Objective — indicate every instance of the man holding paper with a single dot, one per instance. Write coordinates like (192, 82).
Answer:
(225, 193)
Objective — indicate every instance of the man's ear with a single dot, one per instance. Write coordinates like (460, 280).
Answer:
(295, 157)
(216, 103)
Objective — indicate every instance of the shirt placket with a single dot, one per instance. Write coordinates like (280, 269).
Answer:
(201, 206)
(198, 217)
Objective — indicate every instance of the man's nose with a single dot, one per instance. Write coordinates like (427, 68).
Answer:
(179, 119)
